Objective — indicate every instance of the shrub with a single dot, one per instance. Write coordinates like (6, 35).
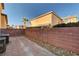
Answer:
(67, 25)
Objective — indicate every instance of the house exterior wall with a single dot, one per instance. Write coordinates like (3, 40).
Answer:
(71, 19)
(0, 20)
(3, 17)
(0, 13)
(1, 7)
(56, 20)
(46, 19)
(4, 21)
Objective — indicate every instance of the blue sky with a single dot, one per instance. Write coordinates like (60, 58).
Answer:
(16, 11)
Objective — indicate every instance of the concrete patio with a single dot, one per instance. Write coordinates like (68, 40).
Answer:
(22, 46)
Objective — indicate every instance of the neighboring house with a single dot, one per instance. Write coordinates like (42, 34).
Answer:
(46, 19)
(19, 27)
(70, 19)
(3, 17)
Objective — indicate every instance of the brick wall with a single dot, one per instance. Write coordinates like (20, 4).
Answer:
(13, 32)
(66, 38)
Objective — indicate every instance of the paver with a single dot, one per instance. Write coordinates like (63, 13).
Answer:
(21, 46)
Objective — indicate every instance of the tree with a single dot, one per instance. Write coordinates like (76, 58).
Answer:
(24, 21)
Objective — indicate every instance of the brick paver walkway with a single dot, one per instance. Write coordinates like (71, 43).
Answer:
(21, 46)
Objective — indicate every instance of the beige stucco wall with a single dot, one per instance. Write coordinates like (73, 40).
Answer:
(46, 20)
(56, 20)
(4, 21)
(3, 17)
(0, 20)
(1, 7)
(0, 13)
(72, 19)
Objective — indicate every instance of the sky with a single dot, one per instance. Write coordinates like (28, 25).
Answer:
(16, 11)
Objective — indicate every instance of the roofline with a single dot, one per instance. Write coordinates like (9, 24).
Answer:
(46, 14)
(57, 15)
(3, 14)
